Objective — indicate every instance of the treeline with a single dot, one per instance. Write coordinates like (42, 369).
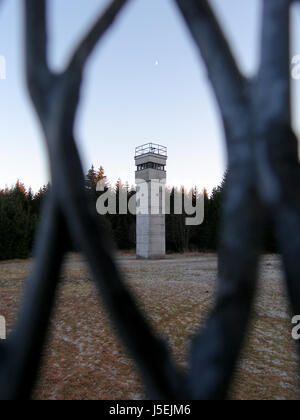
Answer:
(20, 211)
(19, 214)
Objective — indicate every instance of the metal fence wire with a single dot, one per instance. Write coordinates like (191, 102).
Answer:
(263, 182)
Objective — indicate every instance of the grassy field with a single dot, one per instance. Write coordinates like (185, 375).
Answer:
(84, 360)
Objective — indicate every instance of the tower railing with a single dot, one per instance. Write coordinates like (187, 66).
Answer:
(156, 149)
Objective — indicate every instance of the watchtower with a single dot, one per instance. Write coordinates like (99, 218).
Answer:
(150, 160)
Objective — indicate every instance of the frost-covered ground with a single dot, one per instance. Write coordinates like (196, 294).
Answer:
(84, 360)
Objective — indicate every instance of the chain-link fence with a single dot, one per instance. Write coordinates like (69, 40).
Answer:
(263, 182)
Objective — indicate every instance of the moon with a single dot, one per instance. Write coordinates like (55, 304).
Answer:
(156, 63)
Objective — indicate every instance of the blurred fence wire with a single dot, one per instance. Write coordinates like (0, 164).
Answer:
(263, 182)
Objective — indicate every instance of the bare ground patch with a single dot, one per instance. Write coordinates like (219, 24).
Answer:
(84, 360)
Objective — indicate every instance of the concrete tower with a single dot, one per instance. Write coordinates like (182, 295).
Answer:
(150, 160)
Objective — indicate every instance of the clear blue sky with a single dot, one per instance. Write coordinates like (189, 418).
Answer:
(127, 99)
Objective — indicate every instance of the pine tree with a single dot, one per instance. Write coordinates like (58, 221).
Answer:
(90, 182)
(100, 175)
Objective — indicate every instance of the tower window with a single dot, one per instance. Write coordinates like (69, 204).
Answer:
(151, 165)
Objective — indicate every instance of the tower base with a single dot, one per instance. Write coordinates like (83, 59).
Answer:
(151, 236)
